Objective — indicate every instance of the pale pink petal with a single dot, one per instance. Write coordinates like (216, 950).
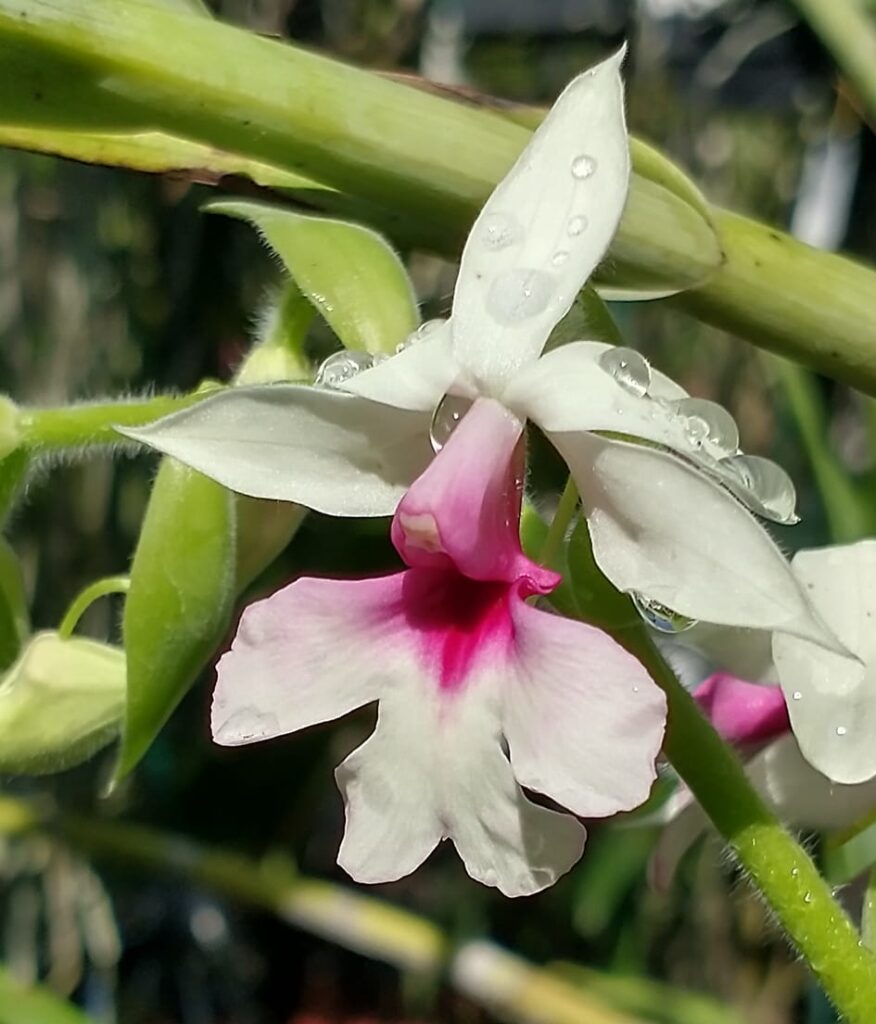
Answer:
(310, 653)
(743, 712)
(584, 721)
(462, 513)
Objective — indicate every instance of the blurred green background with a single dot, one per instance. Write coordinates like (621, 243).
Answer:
(114, 282)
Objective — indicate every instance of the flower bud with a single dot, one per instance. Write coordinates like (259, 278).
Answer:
(60, 702)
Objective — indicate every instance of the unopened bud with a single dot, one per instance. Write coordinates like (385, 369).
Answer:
(60, 702)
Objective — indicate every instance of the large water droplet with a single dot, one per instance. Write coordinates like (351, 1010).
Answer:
(659, 617)
(499, 230)
(341, 367)
(762, 485)
(628, 368)
(841, 730)
(518, 294)
(445, 419)
(583, 166)
(577, 225)
(708, 426)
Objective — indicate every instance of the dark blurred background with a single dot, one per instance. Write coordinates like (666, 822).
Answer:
(114, 282)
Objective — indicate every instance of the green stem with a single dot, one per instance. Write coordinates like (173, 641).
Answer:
(777, 865)
(96, 590)
(868, 912)
(846, 511)
(848, 32)
(556, 535)
(126, 66)
(94, 423)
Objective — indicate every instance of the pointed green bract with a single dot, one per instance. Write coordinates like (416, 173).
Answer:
(348, 272)
(180, 601)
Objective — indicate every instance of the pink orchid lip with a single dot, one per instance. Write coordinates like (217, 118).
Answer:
(744, 713)
(463, 512)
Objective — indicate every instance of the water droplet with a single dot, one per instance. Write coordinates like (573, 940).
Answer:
(628, 368)
(841, 730)
(709, 426)
(447, 415)
(583, 166)
(796, 695)
(425, 330)
(659, 617)
(795, 872)
(559, 257)
(342, 366)
(499, 230)
(518, 294)
(577, 226)
(807, 898)
(764, 486)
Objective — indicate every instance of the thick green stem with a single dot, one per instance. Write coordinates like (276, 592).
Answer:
(125, 66)
(777, 865)
(78, 426)
(848, 32)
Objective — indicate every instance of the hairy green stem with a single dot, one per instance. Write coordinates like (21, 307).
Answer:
(77, 426)
(777, 865)
(849, 34)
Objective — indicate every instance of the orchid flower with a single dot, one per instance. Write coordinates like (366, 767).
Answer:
(478, 692)
(668, 518)
(754, 717)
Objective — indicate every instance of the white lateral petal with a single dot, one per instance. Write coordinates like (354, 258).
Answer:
(417, 378)
(583, 719)
(307, 654)
(832, 699)
(332, 452)
(388, 784)
(802, 796)
(661, 529)
(503, 839)
(567, 390)
(543, 230)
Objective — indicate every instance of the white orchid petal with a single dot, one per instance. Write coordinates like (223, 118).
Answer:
(583, 719)
(568, 390)
(417, 378)
(802, 796)
(544, 229)
(832, 699)
(290, 664)
(661, 529)
(332, 452)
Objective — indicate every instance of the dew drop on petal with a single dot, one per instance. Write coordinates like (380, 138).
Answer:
(709, 426)
(341, 367)
(841, 730)
(763, 485)
(447, 415)
(559, 257)
(576, 226)
(628, 368)
(426, 329)
(796, 695)
(519, 294)
(659, 617)
(499, 230)
(583, 166)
